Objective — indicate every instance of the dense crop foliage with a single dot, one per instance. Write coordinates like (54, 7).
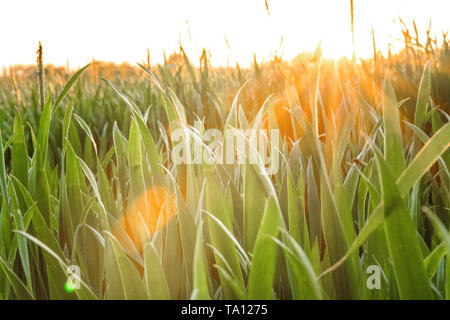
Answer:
(86, 179)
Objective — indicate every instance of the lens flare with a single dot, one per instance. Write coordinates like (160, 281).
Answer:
(69, 286)
(148, 213)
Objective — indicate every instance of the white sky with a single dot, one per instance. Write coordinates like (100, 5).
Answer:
(122, 30)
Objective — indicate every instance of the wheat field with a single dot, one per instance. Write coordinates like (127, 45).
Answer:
(357, 208)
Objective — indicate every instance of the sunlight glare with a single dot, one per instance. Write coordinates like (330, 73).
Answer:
(122, 31)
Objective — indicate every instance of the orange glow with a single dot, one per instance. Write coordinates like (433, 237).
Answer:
(281, 115)
(150, 212)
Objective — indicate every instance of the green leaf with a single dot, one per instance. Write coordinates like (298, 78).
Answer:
(23, 248)
(19, 287)
(19, 151)
(296, 218)
(262, 269)
(421, 163)
(393, 141)
(303, 280)
(44, 128)
(3, 182)
(201, 277)
(132, 283)
(137, 183)
(154, 275)
(87, 130)
(424, 159)
(220, 223)
(431, 262)
(67, 87)
(423, 96)
(403, 243)
(253, 205)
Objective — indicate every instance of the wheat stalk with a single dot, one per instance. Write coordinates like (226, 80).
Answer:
(40, 76)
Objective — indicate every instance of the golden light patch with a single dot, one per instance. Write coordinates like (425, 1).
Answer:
(282, 120)
(148, 213)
